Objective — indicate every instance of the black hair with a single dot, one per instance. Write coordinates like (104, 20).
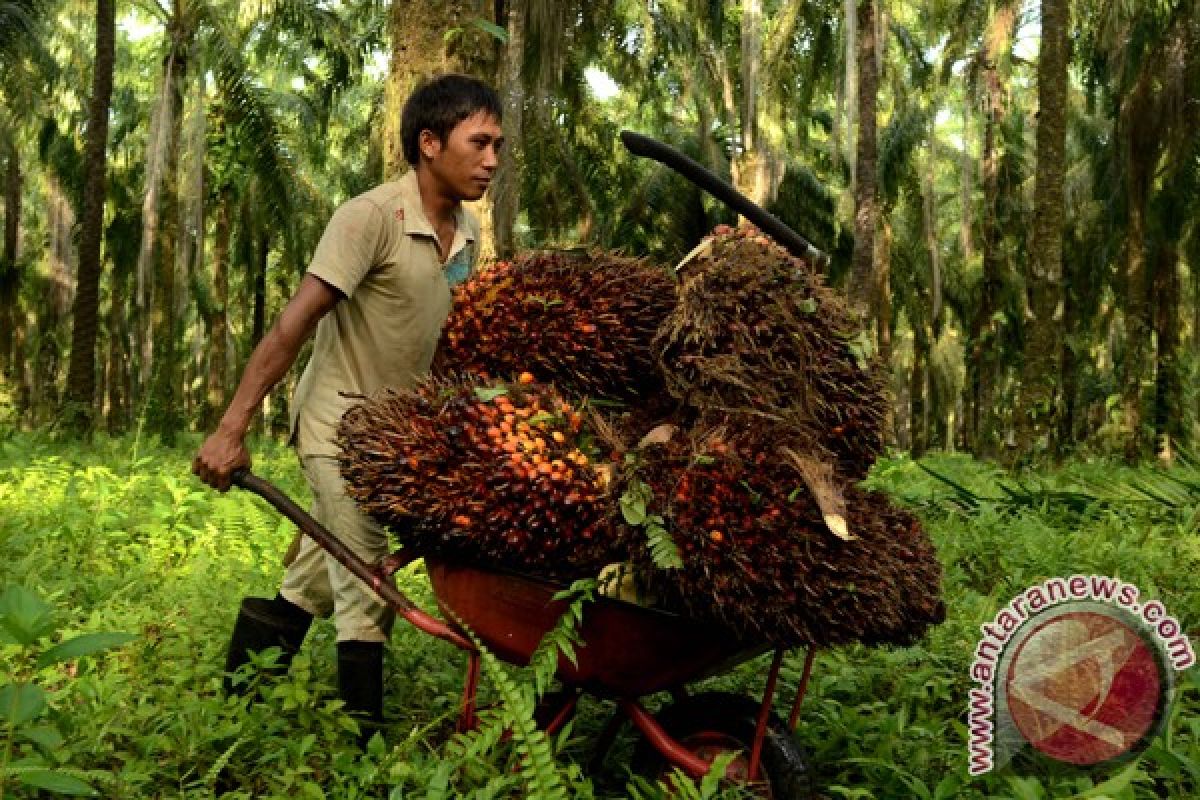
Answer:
(440, 104)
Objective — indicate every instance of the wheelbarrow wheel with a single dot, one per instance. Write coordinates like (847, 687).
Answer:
(713, 723)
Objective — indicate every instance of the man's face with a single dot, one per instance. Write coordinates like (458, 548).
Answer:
(465, 162)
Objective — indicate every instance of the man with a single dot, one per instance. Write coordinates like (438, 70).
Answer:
(377, 292)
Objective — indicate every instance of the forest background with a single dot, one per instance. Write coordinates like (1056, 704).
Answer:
(1008, 189)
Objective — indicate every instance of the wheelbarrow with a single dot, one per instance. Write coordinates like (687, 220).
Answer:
(628, 653)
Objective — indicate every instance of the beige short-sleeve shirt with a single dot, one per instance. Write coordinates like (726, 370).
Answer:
(380, 251)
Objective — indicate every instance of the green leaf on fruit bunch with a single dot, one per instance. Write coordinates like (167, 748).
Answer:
(542, 417)
(546, 302)
(601, 402)
(633, 506)
(704, 460)
(487, 395)
(84, 645)
(662, 547)
(21, 702)
(808, 305)
(24, 616)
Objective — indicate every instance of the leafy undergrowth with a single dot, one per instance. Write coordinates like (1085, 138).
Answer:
(118, 537)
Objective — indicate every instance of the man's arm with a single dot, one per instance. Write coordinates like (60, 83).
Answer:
(225, 451)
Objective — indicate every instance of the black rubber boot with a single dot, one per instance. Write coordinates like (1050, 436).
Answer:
(360, 683)
(263, 623)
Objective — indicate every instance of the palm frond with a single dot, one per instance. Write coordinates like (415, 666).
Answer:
(20, 24)
(807, 205)
(252, 114)
(900, 140)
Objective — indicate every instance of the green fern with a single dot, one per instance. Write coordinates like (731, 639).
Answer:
(634, 504)
(536, 764)
(222, 761)
(563, 637)
(662, 547)
(538, 768)
(680, 786)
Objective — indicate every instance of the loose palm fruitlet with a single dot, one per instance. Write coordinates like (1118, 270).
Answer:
(756, 330)
(491, 475)
(758, 557)
(583, 323)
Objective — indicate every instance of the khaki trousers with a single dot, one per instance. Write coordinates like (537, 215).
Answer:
(316, 582)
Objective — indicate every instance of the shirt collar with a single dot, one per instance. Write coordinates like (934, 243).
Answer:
(415, 221)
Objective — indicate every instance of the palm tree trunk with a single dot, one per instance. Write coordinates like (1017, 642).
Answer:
(81, 376)
(259, 324)
(506, 189)
(883, 314)
(1168, 400)
(882, 311)
(983, 364)
(967, 169)
(1140, 152)
(1039, 381)
(932, 245)
(749, 164)
(933, 407)
(218, 353)
(10, 276)
(54, 304)
(163, 406)
(849, 56)
(421, 48)
(156, 157)
(918, 392)
(861, 284)
(118, 388)
(1069, 364)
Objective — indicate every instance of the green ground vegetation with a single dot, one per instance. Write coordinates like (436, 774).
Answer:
(117, 538)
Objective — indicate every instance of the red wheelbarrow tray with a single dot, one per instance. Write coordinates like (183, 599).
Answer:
(628, 651)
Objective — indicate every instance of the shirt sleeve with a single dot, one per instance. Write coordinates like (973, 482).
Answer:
(348, 247)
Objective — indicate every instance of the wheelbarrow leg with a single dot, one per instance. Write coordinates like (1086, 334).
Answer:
(802, 689)
(764, 713)
(467, 720)
(662, 741)
(557, 714)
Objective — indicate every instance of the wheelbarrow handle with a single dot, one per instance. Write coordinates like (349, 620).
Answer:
(372, 576)
(797, 245)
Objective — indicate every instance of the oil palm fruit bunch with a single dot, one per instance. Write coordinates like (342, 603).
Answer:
(757, 556)
(496, 475)
(756, 330)
(581, 322)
